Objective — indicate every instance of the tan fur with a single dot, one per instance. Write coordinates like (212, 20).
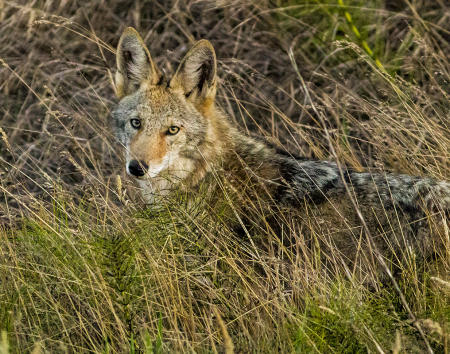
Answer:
(187, 74)
(208, 148)
(140, 148)
(141, 69)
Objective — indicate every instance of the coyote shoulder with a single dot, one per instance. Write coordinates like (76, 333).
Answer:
(175, 137)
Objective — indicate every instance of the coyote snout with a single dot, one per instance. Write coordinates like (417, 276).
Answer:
(149, 151)
(142, 170)
(137, 168)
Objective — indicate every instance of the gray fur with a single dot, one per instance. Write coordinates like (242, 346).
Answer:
(121, 116)
(320, 180)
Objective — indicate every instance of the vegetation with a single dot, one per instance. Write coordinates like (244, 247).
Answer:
(86, 267)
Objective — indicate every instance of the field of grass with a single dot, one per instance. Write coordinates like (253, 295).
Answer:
(85, 266)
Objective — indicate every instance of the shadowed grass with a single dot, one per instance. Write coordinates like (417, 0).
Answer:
(85, 267)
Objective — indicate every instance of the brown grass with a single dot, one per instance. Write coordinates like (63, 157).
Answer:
(84, 268)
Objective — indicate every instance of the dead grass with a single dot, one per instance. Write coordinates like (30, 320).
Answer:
(84, 268)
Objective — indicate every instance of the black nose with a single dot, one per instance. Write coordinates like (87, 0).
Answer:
(137, 168)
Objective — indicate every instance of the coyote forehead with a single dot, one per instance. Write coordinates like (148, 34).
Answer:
(157, 107)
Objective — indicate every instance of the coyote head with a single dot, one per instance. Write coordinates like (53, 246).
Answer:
(165, 126)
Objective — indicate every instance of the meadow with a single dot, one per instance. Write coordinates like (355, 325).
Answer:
(86, 266)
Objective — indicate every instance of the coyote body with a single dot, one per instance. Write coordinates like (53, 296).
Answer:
(175, 137)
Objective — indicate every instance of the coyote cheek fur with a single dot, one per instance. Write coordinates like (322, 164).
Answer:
(175, 136)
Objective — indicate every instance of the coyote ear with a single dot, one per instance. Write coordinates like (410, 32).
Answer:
(134, 63)
(196, 74)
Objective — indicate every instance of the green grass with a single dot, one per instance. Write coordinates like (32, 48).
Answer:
(148, 284)
(86, 267)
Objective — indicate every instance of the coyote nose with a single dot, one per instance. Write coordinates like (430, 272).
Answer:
(137, 168)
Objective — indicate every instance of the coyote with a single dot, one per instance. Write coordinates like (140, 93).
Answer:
(176, 137)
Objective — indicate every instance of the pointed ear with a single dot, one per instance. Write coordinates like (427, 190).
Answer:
(134, 64)
(196, 74)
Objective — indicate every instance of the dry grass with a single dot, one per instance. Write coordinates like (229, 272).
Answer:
(84, 267)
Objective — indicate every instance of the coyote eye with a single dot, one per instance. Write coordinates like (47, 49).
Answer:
(173, 130)
(135, 123)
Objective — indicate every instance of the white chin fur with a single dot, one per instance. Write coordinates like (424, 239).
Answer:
(155, 170)
(147, 190)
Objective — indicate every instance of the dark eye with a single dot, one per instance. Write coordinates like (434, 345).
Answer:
(135, 123)
(173, 130)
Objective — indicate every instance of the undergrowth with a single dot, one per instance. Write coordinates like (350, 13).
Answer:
(85, 266)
